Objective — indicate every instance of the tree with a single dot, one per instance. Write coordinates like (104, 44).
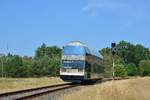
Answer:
(41, 51)
(125, 51)
(54, 67)
(27, 66)
(44, 50)
(131, 69)
(141, 53)
(107, 61)
(120, 70)
(144, 67)
(12, 66)
(47, 60)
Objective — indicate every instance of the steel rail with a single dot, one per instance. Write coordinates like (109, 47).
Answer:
(44, 93)
(30, 90)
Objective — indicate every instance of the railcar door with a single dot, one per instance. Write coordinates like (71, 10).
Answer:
(88, 70)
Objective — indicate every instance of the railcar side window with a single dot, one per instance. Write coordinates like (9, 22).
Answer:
(74, 64)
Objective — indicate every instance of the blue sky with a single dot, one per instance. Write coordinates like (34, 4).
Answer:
(26, 24)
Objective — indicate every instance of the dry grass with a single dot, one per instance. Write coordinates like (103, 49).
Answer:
(11, 84)
(130, 89)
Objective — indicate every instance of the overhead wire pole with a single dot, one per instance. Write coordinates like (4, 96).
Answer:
(2, 69)
(1, 65)
(7, 51)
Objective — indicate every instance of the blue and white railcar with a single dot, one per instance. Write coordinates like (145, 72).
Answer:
(78, 64)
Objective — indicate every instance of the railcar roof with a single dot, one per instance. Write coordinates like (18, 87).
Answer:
(75, 43)
(78, 43)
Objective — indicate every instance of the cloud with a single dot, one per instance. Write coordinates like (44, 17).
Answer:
(118, 7)
(104, 5)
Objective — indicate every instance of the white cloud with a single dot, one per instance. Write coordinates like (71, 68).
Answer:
(117, 7)
(104, 5)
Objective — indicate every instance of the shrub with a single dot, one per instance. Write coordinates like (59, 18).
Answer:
(120, 70)
(131, 69)
(144, 67)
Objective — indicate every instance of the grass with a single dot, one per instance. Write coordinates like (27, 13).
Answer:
(129, 89)
(12, 84)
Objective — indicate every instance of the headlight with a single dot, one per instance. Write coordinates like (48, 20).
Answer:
(63, 70)
(80, 70)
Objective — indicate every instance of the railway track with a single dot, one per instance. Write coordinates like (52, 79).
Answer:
(35, 92)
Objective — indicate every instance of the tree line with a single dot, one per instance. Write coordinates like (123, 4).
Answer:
(45, 62)
(130, 60)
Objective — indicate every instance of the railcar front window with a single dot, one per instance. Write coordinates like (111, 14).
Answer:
(73, 50)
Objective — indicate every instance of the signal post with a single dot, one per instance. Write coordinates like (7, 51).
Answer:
(113, 51)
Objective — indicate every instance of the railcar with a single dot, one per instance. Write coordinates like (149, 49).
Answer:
(79, 64)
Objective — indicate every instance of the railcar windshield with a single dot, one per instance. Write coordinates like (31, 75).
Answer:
(73, 64)
(73, 50)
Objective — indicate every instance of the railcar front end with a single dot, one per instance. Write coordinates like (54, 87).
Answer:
(72, 63)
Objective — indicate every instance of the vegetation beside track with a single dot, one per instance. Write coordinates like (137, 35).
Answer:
(129, 60)
(128, 89)
(13, 84)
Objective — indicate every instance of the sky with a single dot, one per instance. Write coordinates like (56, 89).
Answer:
(26, 24)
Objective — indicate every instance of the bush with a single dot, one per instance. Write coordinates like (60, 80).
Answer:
(144, 67)
(120, 70)
(131, 69)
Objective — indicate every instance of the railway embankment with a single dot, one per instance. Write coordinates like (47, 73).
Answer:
(137, 88)
(14, 84)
